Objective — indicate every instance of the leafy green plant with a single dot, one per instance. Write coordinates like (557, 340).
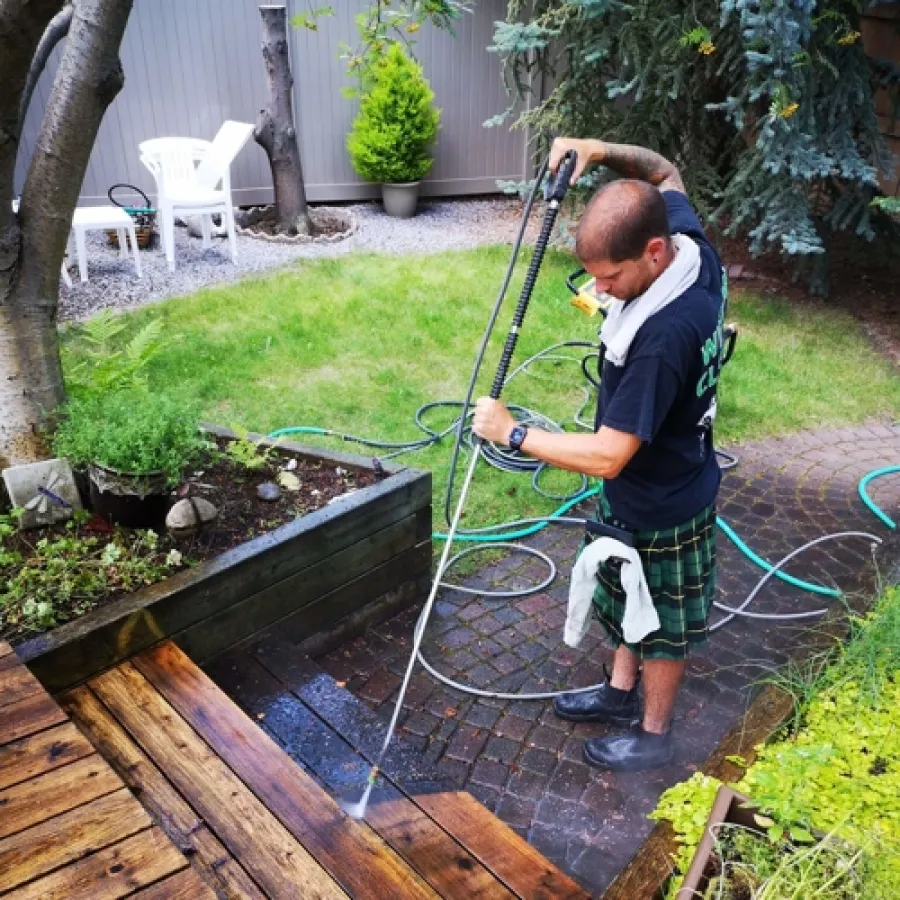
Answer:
(839, 771)
(66, 575)
(393, 133)
(246, 452)
(889, 205)
(102, 366)
(752, 866)
(387, 22)
(131, 431)
(767, 108)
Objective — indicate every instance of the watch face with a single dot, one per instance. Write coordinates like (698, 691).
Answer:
(516, 436)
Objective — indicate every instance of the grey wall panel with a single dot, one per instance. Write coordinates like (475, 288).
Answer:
(190, 64)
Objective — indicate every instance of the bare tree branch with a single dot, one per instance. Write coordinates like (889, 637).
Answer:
(56, 31)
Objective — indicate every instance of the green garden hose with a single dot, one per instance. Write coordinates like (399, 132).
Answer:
(864, 494)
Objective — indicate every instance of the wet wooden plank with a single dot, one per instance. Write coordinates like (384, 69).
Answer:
(17, 682)
(292, 595)
(28, 716)
(515, 863)
(68, 837)
(185, 885)
(342, 614)
(48, 795)
(509, 856)
(277, 862)
(111, 873)
(180, 822)
(354, 856)
(441, 861)
(9, 661)
(42, 752)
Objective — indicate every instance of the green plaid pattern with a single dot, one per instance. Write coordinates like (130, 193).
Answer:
(680, 567)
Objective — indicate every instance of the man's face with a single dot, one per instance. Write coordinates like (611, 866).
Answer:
(630, 278)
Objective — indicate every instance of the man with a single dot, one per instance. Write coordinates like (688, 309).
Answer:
(642, 242)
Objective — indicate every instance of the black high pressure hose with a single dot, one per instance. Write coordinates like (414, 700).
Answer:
(554, 192)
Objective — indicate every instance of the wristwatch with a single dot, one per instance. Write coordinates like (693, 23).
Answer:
(516, 436)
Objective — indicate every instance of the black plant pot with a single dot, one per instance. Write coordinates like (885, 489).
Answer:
(129, 499)
(83, 484)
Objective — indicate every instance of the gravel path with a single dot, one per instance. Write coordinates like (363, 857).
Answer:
(438, 226)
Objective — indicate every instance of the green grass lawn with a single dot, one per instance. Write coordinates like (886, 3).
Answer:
(357, 344)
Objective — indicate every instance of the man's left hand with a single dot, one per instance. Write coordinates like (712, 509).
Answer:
(492, 420)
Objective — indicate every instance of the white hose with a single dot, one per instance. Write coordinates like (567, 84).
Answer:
(732, 612)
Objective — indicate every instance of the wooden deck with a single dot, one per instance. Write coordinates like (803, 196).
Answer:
(69, 827)
(222, 810)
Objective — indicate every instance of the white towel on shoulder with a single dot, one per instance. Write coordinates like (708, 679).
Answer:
(624, 319)
(640, 614)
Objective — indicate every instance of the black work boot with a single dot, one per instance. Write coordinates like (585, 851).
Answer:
(632, 752)
(605, 704)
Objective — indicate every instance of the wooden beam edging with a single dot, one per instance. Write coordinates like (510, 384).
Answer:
(281, 553)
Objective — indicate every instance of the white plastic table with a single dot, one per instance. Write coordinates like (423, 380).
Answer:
(87, 218)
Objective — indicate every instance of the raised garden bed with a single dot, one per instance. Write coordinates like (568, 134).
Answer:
(313, 578)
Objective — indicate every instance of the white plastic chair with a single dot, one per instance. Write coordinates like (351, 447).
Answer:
(193, 177)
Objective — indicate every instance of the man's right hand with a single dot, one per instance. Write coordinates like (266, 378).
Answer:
(588, 151)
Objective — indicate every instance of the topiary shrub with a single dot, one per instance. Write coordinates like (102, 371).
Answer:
(392, 136)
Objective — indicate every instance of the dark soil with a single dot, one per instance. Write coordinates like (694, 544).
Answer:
(242, 516)
(864, 281)
(325, 222)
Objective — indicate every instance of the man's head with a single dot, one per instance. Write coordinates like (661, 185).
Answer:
(623, 238)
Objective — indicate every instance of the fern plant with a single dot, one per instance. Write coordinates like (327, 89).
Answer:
(397, 123)
(106, 368)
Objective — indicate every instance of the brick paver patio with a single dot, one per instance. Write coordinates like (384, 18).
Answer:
(525, 764)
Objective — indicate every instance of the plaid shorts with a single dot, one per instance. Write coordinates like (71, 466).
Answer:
(680, 567)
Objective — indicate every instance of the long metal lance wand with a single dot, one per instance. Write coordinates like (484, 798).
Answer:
(555, 191)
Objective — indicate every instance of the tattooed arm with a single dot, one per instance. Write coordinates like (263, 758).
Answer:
(626, 159)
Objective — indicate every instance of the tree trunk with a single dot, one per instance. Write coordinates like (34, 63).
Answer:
(32, 244)
(275, 131)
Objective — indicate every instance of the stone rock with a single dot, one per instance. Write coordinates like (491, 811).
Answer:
(188, 515)
(268, 490)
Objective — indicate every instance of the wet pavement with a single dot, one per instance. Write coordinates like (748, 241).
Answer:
(522, 761)
(515, 756)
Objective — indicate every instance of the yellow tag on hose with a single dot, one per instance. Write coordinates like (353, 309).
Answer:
(588, 304)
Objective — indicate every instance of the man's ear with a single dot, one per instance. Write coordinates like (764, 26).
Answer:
(656, 247)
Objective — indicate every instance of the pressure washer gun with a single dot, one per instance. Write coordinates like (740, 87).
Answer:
(586, 298)
(555, 190)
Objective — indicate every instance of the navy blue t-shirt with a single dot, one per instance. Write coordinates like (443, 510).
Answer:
(665, 394)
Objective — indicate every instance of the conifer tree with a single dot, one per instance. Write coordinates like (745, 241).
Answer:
(767, 107)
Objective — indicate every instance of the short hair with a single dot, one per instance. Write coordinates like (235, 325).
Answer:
(619, 220)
